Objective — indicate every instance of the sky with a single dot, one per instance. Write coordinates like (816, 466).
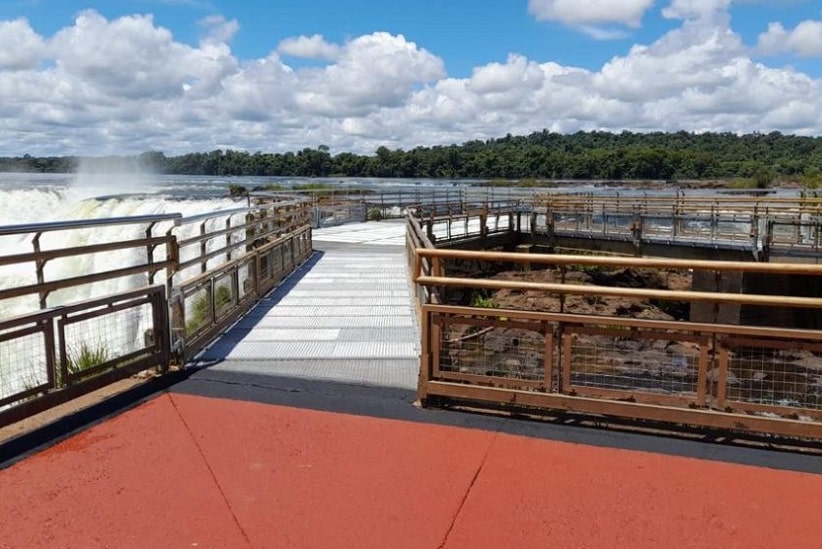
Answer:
(95, 77)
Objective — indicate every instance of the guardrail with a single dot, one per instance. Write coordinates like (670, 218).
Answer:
(543, 337)
(73, 322)
(765, 225)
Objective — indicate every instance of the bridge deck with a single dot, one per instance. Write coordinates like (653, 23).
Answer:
(347, 315)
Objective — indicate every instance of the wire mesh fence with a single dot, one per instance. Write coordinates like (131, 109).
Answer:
(23, 360)
(778, 377)
(498, 350)
(100, 339)
(622, 359)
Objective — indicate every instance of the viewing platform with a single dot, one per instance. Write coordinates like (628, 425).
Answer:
(297, 429)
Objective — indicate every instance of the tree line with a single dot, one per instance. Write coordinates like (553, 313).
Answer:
(540, 155)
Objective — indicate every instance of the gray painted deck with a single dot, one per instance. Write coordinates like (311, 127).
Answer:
(346, 315)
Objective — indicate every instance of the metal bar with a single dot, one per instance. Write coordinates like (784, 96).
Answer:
(628, 410)
(692, 296)
(611, 261)
(86, 223)
(575, 319)
(47, 255)
(80, 280)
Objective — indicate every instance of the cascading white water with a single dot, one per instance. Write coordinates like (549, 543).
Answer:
(26, 199)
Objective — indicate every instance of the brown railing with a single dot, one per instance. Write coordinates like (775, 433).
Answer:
(541, 336)
(234, 258)
(762, 224)
(97, 300)
(60, 353)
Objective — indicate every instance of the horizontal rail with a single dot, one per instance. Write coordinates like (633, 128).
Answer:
(82, 280)
(47, 255)
(586, 319)
(236, 211)
(611, 261)
(87, 223)
(626, 409)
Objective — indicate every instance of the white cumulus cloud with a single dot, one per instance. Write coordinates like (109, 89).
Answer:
(805, 39)
(127, 85)
(20, 46)
(309, 47)
(373, 71)
(696, 9)
(590, 12)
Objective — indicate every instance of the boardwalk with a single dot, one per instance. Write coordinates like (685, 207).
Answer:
(299, 431)
(347, 315)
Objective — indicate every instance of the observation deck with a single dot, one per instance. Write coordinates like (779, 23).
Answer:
(295, 425)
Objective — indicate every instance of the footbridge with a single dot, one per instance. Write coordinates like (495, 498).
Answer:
(470, 302)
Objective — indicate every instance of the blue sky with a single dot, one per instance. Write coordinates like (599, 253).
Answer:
(281, 75)
(465, 33)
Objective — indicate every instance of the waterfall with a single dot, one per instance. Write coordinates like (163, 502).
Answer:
(26, 198)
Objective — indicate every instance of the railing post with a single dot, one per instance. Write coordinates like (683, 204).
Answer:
(754, 234)
(228, 238)
(636, 232)
(40, 265)
(203, 248)
(425, 356)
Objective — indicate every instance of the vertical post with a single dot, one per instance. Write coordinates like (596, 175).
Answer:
(48, 342)
(722, 381)
(228, 238)
(567, 348)
(150, 253)
(40, 266)
(702, 374)
(203, 248)
(160, 328)
(548, 351)
(425, 356)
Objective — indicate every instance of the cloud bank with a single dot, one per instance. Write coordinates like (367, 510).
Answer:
(126, 85)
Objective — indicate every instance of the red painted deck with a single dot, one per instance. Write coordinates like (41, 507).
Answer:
(189, 471)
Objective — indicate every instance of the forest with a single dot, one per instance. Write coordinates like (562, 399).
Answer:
(540, 155)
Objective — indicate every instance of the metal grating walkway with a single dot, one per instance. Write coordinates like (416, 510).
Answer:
(346, 315)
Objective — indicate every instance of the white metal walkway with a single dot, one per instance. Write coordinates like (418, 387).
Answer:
(346, 315)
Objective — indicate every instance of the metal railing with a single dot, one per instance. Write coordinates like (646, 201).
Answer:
(546, 336)
(97, 300)
(765, 225)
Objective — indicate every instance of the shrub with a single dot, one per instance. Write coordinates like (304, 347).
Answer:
(483, 301)
(201, 308)
(236, 190)
(86, 357)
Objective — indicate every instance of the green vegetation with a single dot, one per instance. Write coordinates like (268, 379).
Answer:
(374, 214)
(528, 182)
(483, 301)
(236, 190)
(528, 159)
(201, 308)
(314, 187)
(86, 357)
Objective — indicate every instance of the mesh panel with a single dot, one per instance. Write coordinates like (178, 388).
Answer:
(632, 362)
(104, 338)
(513, 353)
(198, 310)
(776, 377)
(22, 364)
